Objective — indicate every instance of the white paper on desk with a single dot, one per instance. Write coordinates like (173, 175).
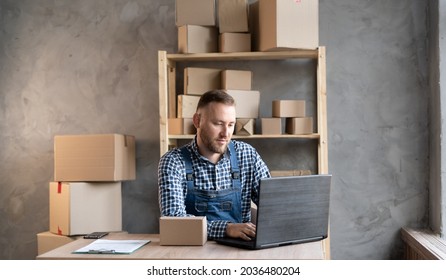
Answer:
(106, 246)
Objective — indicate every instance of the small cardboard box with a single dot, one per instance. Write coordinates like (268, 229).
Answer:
(195, 12)
(95, 157)
(299, 125)
(233, 16)
(197, 39)
(245, 127)
(183, 231)
(234, 42)
(288, 108)
(285, 24)
(271, 126)
(187, 105)
(247, 103)
(236, 79)
(81, 208)
(179, 126)
(47, 241)
(199, 80)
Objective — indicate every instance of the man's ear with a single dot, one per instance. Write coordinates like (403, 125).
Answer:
(196, 119)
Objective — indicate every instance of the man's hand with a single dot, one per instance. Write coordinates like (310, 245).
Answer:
(245, 231)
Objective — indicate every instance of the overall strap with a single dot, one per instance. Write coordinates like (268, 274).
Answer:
(189, 171)
(234, 167)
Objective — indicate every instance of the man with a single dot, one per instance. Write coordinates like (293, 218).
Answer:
(213, 176)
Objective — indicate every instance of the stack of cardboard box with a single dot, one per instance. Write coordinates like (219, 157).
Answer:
(237, 26)
(294, 113)
(206, 26)
(85, 195)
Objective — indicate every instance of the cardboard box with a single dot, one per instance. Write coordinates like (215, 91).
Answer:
(247, 103)
(95, 157)
(47, 241)
(288, 108)
(236, 79)
(200, 80)
(284, 173)
(179, 126)
(195, 12)
(271, 126)
(245, 127)
(197, 39)
(233, 16)
(299, 125)
(234, 42)
(187, 105)
(81, 208)
(285, 24)
(183, 230)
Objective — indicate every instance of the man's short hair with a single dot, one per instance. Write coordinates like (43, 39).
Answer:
(219, 96)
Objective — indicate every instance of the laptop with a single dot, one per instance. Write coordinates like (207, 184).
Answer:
(291, 210)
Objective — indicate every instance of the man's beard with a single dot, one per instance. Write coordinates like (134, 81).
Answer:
(213, 147)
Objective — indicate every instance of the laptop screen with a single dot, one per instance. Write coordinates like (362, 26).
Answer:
(293, 209)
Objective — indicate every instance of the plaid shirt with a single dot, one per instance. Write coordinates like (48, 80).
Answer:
(209, 176)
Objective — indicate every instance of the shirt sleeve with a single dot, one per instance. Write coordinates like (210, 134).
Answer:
(171, 193)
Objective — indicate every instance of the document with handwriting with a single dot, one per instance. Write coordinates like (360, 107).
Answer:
(106, 246)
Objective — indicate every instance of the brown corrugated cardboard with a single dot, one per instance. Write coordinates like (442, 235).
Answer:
(199, 80)
(82, 208)
(236, 79)
(299, 125)
(247, 103)
(288, 108)
(187, 106)
(195, 12)
(271, 126)
(234, 42)
(47, 241)
(233, 16)
(178, 126)
(197, 39)
(95, 157)
(245, 127)
(285, 24)
(183, 231)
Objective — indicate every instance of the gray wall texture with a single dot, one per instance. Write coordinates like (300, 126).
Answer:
(81, 67)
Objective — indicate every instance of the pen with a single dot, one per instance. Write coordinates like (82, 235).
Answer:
(101, 251)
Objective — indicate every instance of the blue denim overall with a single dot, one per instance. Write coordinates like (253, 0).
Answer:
(214, 204)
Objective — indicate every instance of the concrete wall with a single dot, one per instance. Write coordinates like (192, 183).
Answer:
(91, 67)
(437, 79)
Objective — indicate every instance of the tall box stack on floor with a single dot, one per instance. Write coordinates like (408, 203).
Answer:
(85, 195)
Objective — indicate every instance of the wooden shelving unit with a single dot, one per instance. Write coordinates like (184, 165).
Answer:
(167, 64)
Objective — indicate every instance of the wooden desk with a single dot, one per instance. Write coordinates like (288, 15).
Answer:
(211, 250)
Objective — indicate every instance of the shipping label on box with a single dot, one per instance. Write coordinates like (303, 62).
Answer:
(234, 42)
(233, 16)
(245, 127)
(271, 126)
(247, 103)
(195, 12)
(299, 125)
(285, 24)
(200, 80)
(187, 105)
(183, 230)
(100, 157)
(78, 208)
(288, 108)
(236, 79)
(197, 39)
